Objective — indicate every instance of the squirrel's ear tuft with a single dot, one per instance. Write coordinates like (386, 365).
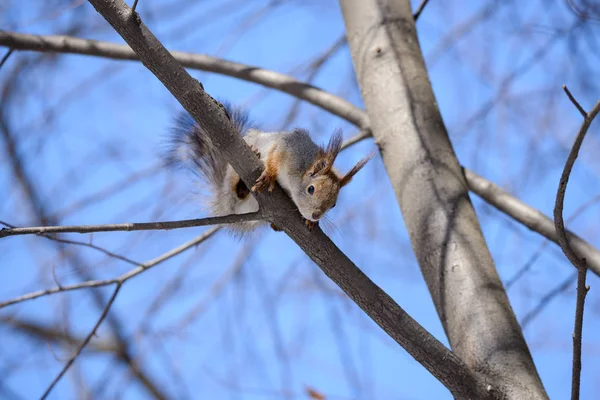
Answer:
(326, 156)
(334, 146)
(348, 177)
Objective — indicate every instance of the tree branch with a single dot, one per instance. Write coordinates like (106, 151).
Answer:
(8, 53)
(272, 79)
(529, 216)
(133, 226)
(83, 344)
(574, 258)
(488, 191)
(119, 280)
(417, 13)
(450, 370)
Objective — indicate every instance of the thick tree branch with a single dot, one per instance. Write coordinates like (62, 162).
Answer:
(488, 191)
(529, 217)
(450, 370)
(574, 258)
(432, 193)
(272, 79)
(132, 226)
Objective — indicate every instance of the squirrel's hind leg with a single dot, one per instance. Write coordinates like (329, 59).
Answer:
(239, 187)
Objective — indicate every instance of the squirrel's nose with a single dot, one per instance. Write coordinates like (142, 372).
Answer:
(316, 215)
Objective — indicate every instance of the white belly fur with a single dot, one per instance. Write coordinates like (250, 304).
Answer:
(247, 206)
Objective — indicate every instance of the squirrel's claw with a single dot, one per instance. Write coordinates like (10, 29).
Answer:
(264, 180)
(310, 224)
(276, 228)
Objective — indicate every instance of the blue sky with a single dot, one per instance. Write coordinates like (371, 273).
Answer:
(274, 324)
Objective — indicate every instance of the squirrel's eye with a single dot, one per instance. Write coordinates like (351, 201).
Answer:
(311, 189)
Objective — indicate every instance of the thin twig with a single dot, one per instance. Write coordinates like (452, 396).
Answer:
(575, 102)
(313, 71)
(79, 243)
(577, 261)
(8, 53)
(572, 240)
(84, 343)
(119, 280)
(363, 134)
(134, 5)
(417, 13)
(562, 188)
(582, 290)
(133, 226)
(546, 299)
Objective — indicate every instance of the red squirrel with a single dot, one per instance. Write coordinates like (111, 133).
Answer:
(302, 168)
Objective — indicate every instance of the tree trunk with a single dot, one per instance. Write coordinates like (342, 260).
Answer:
(433, 196)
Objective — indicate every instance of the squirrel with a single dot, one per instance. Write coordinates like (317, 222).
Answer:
(302, 168)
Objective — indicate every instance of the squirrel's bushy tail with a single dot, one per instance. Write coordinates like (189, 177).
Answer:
(191, 148)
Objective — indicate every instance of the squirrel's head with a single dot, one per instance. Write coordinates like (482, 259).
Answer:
(322, 183)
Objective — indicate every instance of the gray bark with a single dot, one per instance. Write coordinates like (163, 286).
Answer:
(433, 196)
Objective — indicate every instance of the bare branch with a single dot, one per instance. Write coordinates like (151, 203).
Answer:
(8, 53)
(487, 190)
(78, 243)
(272, 79)
(106, 191)
(363, 134)
(582, 290)
(112, 346)
(529, 216)
(562, 188)
(575, 102)
(314, 68)
(119, 280)
(576, 260)
(449, 369)
(133, 226)
(547, 298)
(84, 343)
(417, 13)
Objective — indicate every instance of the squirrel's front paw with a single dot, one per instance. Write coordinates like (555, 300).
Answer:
(310, 224)
(265, 180)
